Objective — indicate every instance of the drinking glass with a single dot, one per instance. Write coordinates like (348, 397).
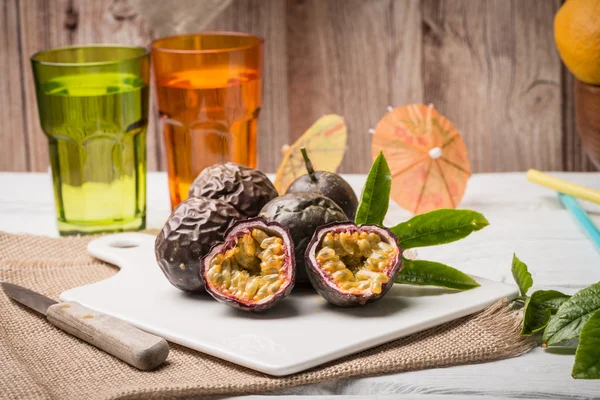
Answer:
(208, 88)
(93, 107)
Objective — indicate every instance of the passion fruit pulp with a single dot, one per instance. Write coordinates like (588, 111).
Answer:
(352, 265)
(254, 268)
(302, 214)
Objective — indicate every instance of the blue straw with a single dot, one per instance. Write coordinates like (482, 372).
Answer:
(582, 218)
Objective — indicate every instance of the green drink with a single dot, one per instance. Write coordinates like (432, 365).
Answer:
(95, 114)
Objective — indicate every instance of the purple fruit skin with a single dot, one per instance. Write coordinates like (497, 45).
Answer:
(242, 226)
(247, 189)
(330, 292)
(302, 213)
(330, 185)
(190, 231)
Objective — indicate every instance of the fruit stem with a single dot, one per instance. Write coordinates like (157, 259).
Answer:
(308, 164)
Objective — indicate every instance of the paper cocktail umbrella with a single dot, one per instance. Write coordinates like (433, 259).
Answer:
(325, 141)
(426, 155)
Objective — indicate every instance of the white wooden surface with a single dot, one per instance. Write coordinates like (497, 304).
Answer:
(524, 218)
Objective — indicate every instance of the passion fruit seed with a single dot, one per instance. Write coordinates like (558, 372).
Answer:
(356, 261)
(302, 214)
(351, 265)
(252, 270)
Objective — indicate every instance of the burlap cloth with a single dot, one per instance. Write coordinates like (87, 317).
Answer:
(40, 361)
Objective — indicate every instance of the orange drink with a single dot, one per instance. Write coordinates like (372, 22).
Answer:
(208, 90)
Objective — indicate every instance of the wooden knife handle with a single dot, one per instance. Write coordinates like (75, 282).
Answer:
(126, 342)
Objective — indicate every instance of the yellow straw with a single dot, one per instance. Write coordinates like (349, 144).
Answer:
(562, 186)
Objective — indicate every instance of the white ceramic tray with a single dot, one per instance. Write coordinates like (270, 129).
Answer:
(301, 332)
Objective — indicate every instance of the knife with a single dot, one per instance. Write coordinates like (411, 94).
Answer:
(132, 345)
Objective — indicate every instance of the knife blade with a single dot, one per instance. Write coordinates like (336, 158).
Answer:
(118, 338)
(35, 301)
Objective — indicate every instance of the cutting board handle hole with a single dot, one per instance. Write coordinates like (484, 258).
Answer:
(124, 244)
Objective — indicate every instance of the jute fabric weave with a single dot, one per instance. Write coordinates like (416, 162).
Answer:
(38, 360)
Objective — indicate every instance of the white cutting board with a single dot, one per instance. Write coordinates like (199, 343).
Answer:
(300, 332)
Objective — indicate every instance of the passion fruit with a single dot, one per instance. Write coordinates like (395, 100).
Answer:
(326, 184)
(352, 265)
(302, 214)
(254, 268)
(247, 189)
(190, 231)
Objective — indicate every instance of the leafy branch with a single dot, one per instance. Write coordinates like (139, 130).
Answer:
(429, 229)
(558, 317)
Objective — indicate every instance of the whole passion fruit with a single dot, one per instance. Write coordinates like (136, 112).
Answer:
(254, 268)
(328, 184)
(246, 189)
(302, 214)
(352, 265)
(193, 227)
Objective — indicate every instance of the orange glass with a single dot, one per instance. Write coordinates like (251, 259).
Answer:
(208, 89)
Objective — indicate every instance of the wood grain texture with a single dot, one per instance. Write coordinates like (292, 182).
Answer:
(338, 63)
(42, 27)
(124, 341)
(497, 78)
(13, 142)
(455, 72)
(540, 374)
(535, 100)
(405, 56)
(179, 19)
(490, 66)
(265, 18)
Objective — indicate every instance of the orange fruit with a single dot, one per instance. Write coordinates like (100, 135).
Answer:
(577, 36)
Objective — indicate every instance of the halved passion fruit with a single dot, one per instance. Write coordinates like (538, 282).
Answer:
(302, 214)
(254, 268)
(352, 265)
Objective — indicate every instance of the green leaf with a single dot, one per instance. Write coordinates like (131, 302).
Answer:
(549, 299)
(438, 227)
(375, 196)
(521, 275)
(539, 308)
(587, 357)
(535, 317)
(430, 273)
(572, 315)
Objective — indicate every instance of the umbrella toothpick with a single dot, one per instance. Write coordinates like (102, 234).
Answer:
(435, 153)
(429, 170)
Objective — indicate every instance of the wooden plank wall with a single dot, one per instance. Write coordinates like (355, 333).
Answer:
(488, 65)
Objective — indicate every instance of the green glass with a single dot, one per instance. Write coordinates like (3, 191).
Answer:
(93, 106)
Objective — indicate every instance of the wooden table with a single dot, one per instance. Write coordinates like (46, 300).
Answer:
(524, 218)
